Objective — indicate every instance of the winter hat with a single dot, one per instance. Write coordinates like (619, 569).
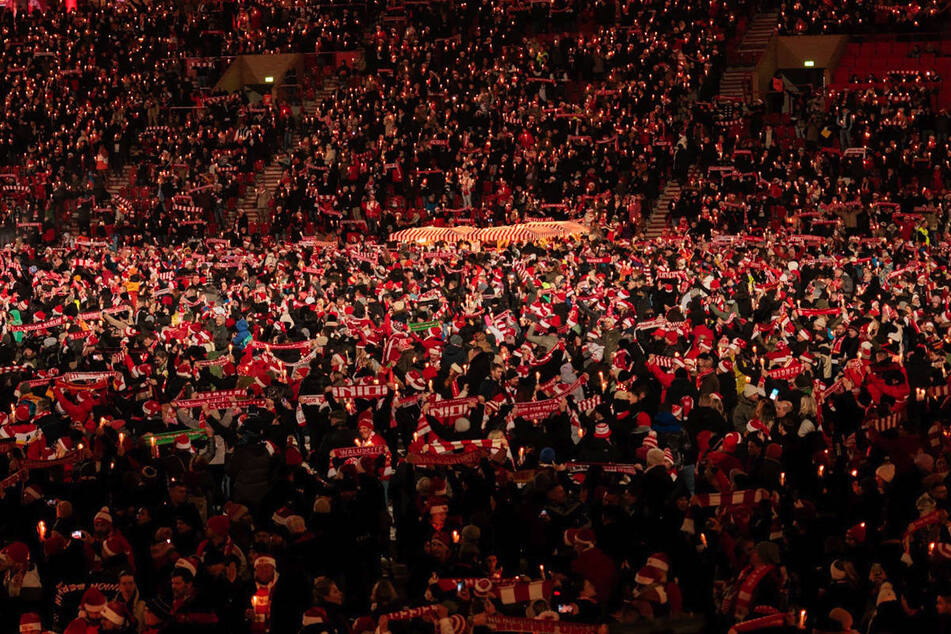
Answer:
(650, 440)
(580, 536)
(730, 441)
(857, 533)
(546, 456)
(314, 616)
(885, 593)
(602, 430)
(188, 563)
(104, 514)
(115, 612)
(660, 561)
(886, 472)
(183, 443)
(93, 601)
(152, 408)
(219, 524)
(837, 570)
(648, 575)
(925, 504)
(30, 622)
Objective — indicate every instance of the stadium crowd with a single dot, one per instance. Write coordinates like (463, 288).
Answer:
(739, 426)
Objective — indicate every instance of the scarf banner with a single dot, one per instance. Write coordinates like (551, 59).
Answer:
(168, 437)
(8, 369)
(411, 613)
(95, 315)
(70, 458)
(934, 517)
(297, 345)
(452, 408)
(360, 391)
(312, 399)
(94, 386)
(79, 377)
(815, 312)
(207, 363)
(469, 459)
(542, 626)
(423, 325)
(533, 410)
(789, 372)
(12, 479)
(607, 467)
(746, 497)
(200, 398)
(357, 452)
(43, 325)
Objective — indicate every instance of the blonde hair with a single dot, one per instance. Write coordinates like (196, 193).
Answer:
(807, 407)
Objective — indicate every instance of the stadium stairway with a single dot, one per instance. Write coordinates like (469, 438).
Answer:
(270, 176)
(735, 83)
(658, 222)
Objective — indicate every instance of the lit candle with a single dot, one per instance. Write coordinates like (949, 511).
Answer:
(521, 455)
(541, 569)
(121, 438)
(41, 530)
(822, 469)
(703, 539)
(455, 537)
(782, 478)
(802, 619)
(154, 447)
(930, 547)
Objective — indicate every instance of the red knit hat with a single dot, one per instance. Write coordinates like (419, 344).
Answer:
(17, 552)
(93, 600)
(219, 524)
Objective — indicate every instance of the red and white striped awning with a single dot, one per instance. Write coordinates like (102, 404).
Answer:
(524, 232)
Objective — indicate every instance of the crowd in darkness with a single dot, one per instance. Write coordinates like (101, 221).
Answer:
(741, 425)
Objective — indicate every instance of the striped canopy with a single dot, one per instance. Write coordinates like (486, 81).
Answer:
(524, 232)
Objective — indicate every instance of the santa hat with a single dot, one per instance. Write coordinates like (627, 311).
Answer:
(265, 560)
(414, 380)
(30, 622)
(183, 443)
(648, 575)
(730, 441)
(93, 601)
(104, 514)
(151, 408)
(580, 537)
(183, 369)
(314, 616)
(219, 524)
(660, 561)
(113, 546)
(188, 563)
(857, 533)
(115, 612)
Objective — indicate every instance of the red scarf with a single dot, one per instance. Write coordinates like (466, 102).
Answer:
(748, 579)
